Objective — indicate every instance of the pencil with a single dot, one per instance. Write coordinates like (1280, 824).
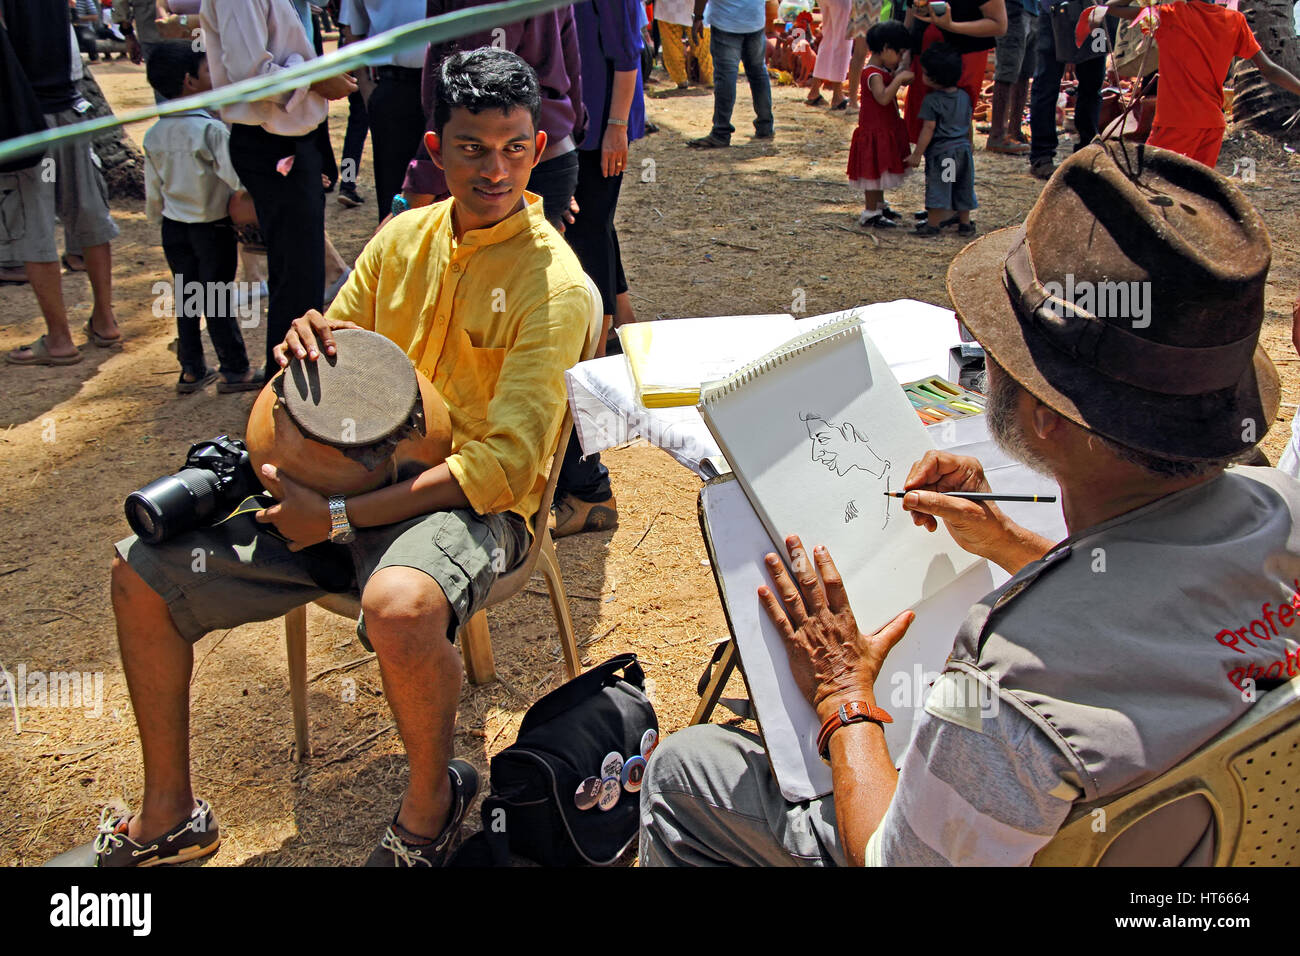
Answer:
(978, 495)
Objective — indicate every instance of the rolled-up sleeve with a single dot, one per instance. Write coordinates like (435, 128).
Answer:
(619, 33)
(355, 302)
(499, 471)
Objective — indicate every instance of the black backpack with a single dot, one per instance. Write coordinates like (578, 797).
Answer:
(562, 740)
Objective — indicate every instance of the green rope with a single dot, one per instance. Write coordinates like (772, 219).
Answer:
(449, 26)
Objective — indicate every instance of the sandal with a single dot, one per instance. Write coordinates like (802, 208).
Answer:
(41, 355)
(71, 268)
(251, 381)
(818, 100)
(102, 341)
(841, 105)
(195, 384)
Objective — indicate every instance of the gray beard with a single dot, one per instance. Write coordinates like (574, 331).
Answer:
(1003, 395)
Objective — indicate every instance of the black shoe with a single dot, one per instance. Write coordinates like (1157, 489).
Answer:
(348, 196)
(771, 135)
(195, 836)
(925, 229)
(399, 848)
(1042, 169)
(921, 215)
(889, 213)
(881, 222)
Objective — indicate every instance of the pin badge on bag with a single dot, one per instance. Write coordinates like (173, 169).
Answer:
(612, 765)
(649, 741)
(587, 794)
(610, 791)
(633, 771)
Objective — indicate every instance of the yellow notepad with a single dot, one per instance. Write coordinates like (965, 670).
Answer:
(670, 358)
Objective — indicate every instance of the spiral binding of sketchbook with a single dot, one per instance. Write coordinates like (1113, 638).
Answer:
(816, 432)
(821, 335)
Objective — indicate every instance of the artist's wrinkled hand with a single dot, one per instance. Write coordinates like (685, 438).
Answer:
(977, 526)
(307, 336)
(832, 661)
(300, 514)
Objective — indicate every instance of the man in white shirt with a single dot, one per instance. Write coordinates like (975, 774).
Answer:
(396, 114)
(273, 148)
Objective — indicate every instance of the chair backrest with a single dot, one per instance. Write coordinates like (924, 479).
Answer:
(595, 324)
(1249, 775)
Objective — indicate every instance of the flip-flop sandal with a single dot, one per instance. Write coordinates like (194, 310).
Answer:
(818, 101)
(254, 384)
(71, 268)
(102, 341)
(841, 105)
(186, 388)
(41, 355)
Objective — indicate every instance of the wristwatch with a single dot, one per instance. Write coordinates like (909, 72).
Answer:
(399, 204)
(854, 712)
(340, 528)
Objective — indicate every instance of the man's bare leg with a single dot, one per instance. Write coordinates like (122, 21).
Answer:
(99, 267)
(406, 622)
(46, 279)
(158, 663)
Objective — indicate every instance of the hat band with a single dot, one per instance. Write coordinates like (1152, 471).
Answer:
(1115, 353)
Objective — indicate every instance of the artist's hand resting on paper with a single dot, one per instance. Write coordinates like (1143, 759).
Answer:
(980, 527)
(833, 662)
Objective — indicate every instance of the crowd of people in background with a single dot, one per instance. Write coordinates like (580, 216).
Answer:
(252, 183)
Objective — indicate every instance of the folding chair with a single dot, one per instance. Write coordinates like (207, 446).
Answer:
(1241, 790)
(475, 642)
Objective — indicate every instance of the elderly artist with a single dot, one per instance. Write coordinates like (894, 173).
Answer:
(424, 552)
(1111, 655)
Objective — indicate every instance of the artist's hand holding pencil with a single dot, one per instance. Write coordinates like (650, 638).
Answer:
(980, 527)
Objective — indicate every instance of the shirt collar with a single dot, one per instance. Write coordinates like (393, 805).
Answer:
(530, 217)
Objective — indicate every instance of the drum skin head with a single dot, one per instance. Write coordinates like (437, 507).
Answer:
(360, 396)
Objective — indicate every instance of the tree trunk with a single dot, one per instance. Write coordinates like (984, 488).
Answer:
(1257, 104)
(123, 163)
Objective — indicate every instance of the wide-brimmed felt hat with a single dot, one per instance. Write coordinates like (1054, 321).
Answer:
(1130, 301)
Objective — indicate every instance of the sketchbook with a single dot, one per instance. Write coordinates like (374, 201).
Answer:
(817, 432)
(736, 541)
(668, 359)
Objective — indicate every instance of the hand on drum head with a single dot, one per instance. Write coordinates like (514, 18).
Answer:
(307, 336)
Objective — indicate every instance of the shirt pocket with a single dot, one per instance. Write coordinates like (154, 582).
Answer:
(471, 376)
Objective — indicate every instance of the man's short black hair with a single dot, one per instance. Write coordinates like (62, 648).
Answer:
(889, 34)
(484, 79)
(943, 63)
(168, 66)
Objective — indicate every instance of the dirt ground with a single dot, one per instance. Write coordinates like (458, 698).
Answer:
(703, 233)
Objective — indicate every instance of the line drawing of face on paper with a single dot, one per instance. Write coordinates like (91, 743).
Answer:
(841, 447)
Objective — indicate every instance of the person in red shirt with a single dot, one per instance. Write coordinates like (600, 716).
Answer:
(1198, 41)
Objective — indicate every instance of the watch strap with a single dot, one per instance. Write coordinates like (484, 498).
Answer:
(854, 712)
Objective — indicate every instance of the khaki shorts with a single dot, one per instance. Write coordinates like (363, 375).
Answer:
(66, 182)
(239, 571)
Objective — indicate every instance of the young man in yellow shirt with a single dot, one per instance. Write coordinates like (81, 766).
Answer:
(488, 301)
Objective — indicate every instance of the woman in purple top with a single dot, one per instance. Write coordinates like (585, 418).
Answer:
(609, 40)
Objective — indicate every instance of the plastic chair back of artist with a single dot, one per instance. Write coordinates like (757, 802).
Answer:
(1231, 803)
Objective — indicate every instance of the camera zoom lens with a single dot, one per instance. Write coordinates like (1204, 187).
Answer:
(172, 504)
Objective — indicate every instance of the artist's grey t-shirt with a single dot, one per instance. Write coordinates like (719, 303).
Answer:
(1077, 681)
(951, 112)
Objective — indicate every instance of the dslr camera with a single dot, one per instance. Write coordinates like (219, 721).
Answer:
(217, 476)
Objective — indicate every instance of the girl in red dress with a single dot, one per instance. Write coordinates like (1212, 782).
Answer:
(880, 142)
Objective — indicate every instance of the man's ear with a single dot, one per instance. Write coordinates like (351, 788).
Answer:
(541, 146)
(1047, 422)
(433, 143)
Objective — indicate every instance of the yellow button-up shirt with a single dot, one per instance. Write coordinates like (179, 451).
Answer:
(493, 320)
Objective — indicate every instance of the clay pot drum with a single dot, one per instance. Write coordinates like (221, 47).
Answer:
(351, 422)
